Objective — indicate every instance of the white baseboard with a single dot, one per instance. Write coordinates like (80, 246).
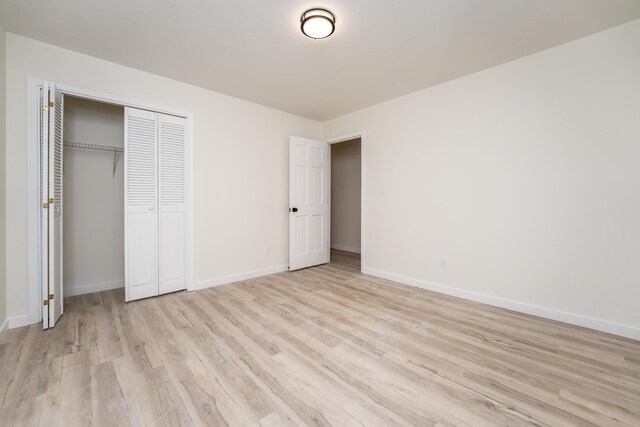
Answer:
(547, 313)
(345, 248)
(239, 277)
(92, 287)
(4, 328)
(18, 321)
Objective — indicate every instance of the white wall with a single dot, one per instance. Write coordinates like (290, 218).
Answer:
(240, 162)
(525, 176)
(3, 282)
(93, 197)
(345, 195)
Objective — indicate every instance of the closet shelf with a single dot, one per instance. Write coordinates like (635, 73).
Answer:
(114, 150)
(94, 147)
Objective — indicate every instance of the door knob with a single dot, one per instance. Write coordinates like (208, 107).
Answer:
(294, 210)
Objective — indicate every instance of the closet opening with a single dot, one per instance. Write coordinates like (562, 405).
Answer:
(110, 197)
(93, 188)
(346, 196)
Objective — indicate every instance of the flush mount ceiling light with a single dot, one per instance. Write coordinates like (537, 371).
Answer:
(317, 23)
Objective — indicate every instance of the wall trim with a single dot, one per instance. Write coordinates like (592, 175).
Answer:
(345, 248)
(92, 287)
(242, 276)
(34, 231)
(19, 321)
(547, 313)
(4, 328)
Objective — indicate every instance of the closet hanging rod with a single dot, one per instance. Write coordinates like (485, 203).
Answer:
(94, 147)
(109, 148)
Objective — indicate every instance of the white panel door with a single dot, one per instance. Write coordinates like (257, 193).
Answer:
(172, 139)
(55, 205)
(309, 208)
(141, 216)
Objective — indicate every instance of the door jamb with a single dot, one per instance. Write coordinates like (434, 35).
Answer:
(347, 137)
(34, 232)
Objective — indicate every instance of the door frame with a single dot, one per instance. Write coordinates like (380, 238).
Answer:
(34, 231)
(348, 137)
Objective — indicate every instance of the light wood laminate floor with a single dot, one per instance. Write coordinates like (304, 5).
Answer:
(322, 346)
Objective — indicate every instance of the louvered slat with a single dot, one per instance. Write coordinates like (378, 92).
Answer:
(141, 161)
(44, 149)
(57, 162)
(172, 179)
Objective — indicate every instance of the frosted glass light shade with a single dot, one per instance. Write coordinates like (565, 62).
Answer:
(317, 23)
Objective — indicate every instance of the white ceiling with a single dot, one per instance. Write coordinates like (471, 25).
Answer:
(253, 49)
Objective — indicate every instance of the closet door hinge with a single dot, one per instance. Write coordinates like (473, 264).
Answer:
(46, 302)
(46, 204)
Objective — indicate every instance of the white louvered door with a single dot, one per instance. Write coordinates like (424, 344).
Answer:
(172, 138)
(155, 201)
(44, 201)
(55, 205)
(141, 219)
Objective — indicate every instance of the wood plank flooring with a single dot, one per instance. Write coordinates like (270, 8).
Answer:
(321, 346)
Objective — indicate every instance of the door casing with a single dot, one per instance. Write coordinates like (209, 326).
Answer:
(347, 137)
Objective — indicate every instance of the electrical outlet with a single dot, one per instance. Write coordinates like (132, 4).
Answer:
(443, 262)
(267, 250)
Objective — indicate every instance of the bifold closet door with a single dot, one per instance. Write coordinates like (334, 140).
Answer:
(141, 200)
(172, 138)
(56, 152)
(51, 127)
(155, 202)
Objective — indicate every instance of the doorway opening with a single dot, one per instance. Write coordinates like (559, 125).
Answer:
(93, 213)
(310, 200)
(346, 199)
(117, 211)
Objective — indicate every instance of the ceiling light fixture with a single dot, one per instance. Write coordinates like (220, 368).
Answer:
(317, 23)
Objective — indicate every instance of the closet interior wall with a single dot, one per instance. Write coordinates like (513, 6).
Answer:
(94, 198)
(345, 195)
